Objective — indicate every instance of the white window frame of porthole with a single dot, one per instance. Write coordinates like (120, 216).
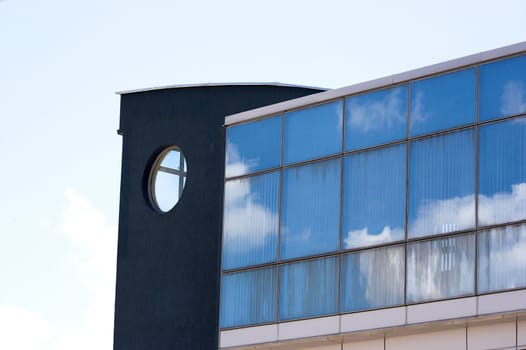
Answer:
(164, 201)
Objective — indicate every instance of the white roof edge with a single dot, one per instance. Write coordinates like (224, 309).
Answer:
(181, 86)
(376, 83)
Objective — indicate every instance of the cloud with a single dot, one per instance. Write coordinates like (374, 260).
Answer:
(88, 228)
(503, 206)
(440, 269)
(418, 114)
(236, 166)
(362, 238)
(513, 98)
(448, 215)
(95, 259)
(502, 258)
(381, 268)
(22, 329)
(247, 223)
(458, 213)
(380, 114)
(443, 216)
(428, 281)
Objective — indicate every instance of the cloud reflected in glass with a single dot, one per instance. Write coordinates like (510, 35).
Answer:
(250, 223)
(513, 98)
(235, 166)
(502, 258)
(253, 146)
(441, 268)
(373, 278)
(375, 118)
(362, 238)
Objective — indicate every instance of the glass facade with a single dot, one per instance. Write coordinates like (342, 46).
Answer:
(406, 194)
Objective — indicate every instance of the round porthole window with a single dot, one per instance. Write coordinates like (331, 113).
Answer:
(167, 179)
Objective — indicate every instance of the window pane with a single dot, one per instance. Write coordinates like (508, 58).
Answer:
(503, 88)
(248, 297)
(172, 160)
(441, 268)
(311, 209)
(250, 225)
(313, 132)
(166, 190)
(443, 102)
(308, 288)
(502, 258)
(374, 197)
(373, 278)
(375, 118)
(442, 184)
(502, 172)
(253, 146)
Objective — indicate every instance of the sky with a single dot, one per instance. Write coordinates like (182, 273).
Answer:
(61, 63)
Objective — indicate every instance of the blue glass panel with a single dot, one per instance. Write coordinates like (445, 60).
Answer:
(253, 146)
(311, 209)
(308, 288)
(313, 132)
(502, 172)
(375, 118)
(502, 88)
(373, 278)
(442, 184)
(443, 102)
(502, 258)
(441, 268)
(248, 297)
(250, 223)
(374, 197)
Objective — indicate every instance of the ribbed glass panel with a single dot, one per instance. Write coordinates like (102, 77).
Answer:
(373, 278)
(310, 209)
(442, 184)
(502, 88)
(248, 297)
(250, 222)
(313, 132)
(308, 288)
(443, 102)
(502, 258)
(502, 172)
(441, 268)
(375, 118)
(374, 197)
(253, 146)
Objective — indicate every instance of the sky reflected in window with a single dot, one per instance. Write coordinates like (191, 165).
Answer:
(503, 88)
(308, 288)
(442, 184)
(373, 278)
(443, 102)
(253, 146)
(441, 268)
(313, 132)
(311, 209)
(374, 197)
(250, 223)
(502, 258)
(502, 172)
(375, 118)
(248, 297)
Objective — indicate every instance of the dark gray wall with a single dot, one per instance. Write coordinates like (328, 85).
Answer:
(167, 292)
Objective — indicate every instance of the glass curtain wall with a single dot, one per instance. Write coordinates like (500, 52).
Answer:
(406, 194)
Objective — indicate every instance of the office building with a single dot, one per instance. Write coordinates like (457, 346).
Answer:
(389, 214)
